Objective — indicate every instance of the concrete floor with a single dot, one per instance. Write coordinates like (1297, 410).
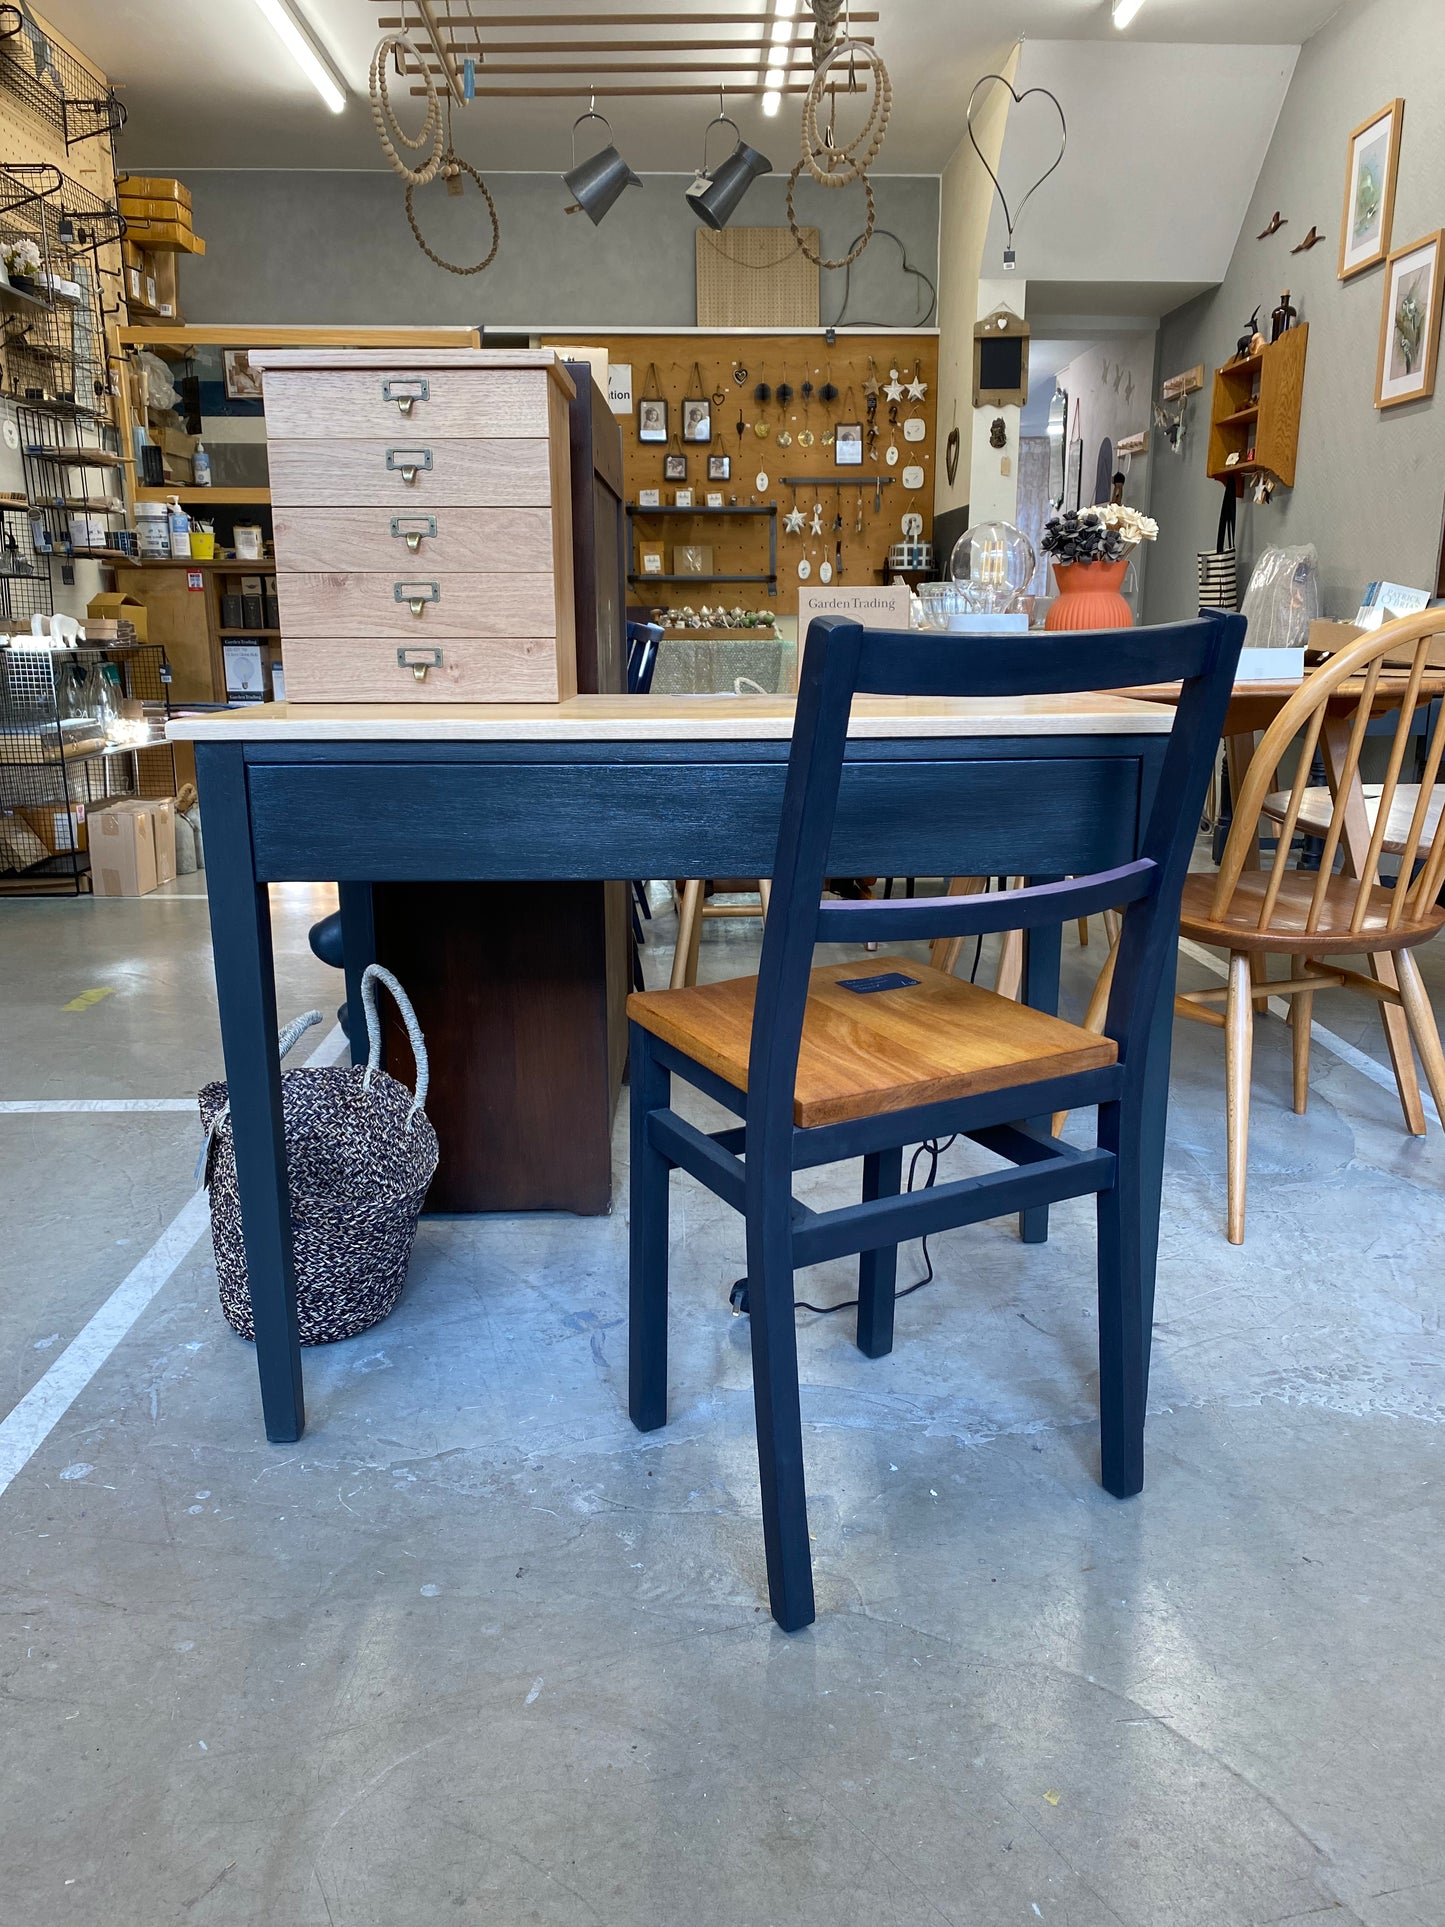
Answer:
(474, 1651)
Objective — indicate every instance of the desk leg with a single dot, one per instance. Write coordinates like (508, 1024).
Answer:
(1042, 950)
(358, 949)
(1356, 842)
(246, 995)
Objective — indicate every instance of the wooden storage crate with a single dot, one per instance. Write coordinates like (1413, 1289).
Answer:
(422, 522)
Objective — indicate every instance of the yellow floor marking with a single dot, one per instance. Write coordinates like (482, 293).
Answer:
(89, 997)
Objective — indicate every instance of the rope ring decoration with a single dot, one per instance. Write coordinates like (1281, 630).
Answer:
(845, 164)
(389, 130)
(858, 246)
(451, 167)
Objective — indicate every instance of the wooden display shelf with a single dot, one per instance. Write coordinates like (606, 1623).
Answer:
(1259, 426)
(249, 635)
(671, 508)
(1250, 414)
(259, 496)
(702, 578)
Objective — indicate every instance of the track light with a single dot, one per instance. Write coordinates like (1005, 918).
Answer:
(1124, 12)
(306, 51)
(715, 196)
(597, 182)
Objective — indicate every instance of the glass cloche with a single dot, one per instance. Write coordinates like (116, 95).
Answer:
(993, 565)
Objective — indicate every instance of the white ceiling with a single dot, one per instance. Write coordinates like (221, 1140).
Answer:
(207, 84)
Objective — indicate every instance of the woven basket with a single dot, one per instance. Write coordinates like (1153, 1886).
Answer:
(360, 1153)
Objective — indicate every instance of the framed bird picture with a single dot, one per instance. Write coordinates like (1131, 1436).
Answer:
(1374, 167)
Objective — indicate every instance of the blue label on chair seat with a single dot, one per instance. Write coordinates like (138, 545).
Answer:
(890, 980)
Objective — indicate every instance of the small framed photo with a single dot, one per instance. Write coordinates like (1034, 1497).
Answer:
(682, 498)
(652, 561)
(697, 421)
(719, 468)
(243, 382)
(652, 420)
(1410, 323)
(674, 468)
(848, 445)
(715, 500)
(649, 498)
(1369, 215)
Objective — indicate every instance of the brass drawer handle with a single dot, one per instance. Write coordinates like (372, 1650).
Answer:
(413, 528)
(418, 661)
(410, 461)
(405, 391)
(417, 594)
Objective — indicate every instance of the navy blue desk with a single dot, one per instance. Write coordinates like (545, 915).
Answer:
(615, 787)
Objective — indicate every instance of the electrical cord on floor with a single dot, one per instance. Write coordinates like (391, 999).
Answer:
(933, 1149)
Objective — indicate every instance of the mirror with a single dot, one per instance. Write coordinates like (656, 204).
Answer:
(1058, 429)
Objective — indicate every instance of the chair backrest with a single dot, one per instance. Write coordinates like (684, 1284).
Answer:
(642, 644)
(842, 660)
(1350, 682)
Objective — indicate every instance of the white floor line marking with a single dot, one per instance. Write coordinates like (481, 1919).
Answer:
(1347, 1053)
(37, 1105)
(25, 1429)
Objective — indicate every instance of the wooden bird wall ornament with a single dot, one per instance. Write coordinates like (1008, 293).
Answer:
(1277, 221)
(1311, 240)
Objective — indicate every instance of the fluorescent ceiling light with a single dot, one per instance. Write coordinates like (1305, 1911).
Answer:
(779, 56)
(785, 9)
(297, 40)
(772, 101)
(1124, 12)
(773, 79)
(782, 32)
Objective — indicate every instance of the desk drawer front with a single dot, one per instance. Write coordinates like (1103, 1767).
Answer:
(409, 471)
(413, 604)
(441, 403)
(453, 669)
(430, 541)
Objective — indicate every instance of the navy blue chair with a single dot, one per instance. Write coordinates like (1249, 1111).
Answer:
(823, 1066)
(642, 644)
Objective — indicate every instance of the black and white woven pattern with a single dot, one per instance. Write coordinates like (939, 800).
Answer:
(358, 1177)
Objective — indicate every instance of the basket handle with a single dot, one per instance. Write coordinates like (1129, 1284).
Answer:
(286, 1040)
(371, 977)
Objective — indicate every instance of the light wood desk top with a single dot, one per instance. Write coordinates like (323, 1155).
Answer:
(654, 719)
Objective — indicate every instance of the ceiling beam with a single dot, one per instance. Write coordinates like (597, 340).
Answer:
(497, 69)
(583, 89)
(571, 21)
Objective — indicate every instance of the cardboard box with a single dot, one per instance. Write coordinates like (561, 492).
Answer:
(154, 187)
(59, 829)
(136, 208)
(162, 812)
(122, 851)
(1330, 637)
(154, 235)
(114, 605)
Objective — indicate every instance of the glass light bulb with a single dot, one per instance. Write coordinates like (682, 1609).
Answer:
(993, 565)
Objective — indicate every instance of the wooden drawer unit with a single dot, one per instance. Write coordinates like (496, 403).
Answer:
(441, 541)
(447, 669)
(411, 604)
(377, 403)
(422, 505)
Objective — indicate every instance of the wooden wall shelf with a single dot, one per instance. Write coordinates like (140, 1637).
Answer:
(1255, 415)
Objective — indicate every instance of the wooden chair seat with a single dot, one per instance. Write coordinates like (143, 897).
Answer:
(938, 1039)
(1238, 929)
(1314, 816)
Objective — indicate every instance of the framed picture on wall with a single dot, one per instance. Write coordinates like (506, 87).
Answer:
(1410, 323)
(697, 421)
(848, 444)
(1374, 166)
(674, 468)
(242, 381)
(719, 468)
(652, 419)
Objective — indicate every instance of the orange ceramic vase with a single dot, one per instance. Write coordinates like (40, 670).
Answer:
(1089, 596)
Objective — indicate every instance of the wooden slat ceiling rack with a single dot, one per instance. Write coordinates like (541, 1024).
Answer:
(662, 51)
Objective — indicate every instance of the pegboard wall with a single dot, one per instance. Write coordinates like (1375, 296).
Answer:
(860, 520)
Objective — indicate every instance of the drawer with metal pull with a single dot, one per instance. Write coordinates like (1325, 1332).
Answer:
(443, 403)
(403, 473)
(457, 669)
(415, 602)
(438, 541)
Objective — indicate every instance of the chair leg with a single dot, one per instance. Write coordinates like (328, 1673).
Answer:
(878, 1270)
(1301, 1016)
(689, 931)
(1123, 1333)
(650, 1087)
(765, 896)
(1238, 1066)
(1083, 933)
(775, 1403)
(946, 951)
(1416, 1000)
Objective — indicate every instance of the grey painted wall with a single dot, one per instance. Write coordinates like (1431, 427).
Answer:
(1369, 487)
(335, 247)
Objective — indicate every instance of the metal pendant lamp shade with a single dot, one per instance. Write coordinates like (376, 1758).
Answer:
(597, 182)
(715, 195)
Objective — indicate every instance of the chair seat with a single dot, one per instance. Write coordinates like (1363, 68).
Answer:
(864, 1054)
(1314, 816)
(1239, 928)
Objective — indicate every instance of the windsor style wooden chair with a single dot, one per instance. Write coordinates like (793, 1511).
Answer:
(1315, 917)
(858, 1060)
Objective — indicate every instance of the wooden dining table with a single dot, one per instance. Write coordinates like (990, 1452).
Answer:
(1253, 707)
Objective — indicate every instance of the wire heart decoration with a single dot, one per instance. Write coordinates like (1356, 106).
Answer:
(1011, 221)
